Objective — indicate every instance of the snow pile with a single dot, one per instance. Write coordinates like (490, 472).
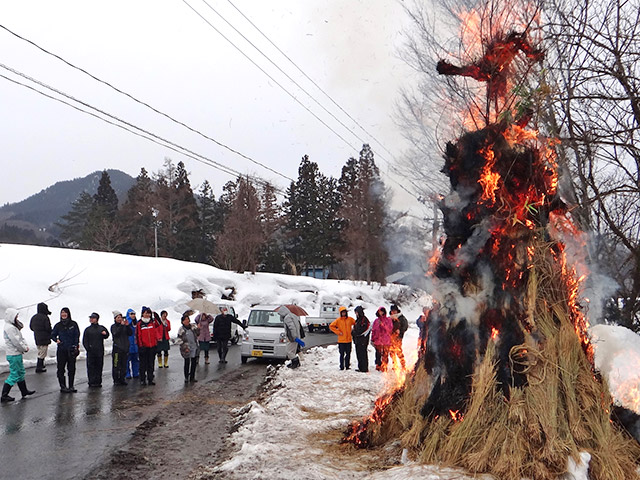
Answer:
(295, 432)
(101, 282)
(617, 358)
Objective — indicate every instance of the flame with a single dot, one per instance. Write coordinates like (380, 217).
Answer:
(456, 415)
(489, 178)
(494, 333)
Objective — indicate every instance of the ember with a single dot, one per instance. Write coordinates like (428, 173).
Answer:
(502, 342)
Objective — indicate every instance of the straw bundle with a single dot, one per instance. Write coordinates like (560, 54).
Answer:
(562, 409)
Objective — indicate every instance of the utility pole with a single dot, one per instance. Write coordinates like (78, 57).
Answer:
(154, 212)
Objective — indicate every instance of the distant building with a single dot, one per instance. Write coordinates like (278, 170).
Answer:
(316, 272)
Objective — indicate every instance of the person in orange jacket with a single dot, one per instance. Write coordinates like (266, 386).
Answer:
(341, 326)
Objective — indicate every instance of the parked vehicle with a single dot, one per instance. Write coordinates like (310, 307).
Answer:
(328, 313)
(264, 336)
(235, 333)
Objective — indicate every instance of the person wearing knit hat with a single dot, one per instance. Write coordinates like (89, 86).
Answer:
(120, 332)
(93, 342)
(361, 332)
(147, 339)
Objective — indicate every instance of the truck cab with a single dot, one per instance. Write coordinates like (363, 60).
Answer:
(328, 313)
(264, 336)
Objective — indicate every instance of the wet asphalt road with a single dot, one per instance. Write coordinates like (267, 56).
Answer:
(54, 435)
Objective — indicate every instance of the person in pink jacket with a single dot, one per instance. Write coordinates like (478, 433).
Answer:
(381, 338)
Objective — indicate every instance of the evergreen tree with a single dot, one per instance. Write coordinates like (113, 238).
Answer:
(242, 237)
(106, 198)
(137, 218)
(363, 210)
(186, 225)
(272, 254)
(73, 225)
(103, 228)
(211, 221)
(312, 223)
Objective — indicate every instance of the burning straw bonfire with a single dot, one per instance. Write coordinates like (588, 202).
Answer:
(504, 383)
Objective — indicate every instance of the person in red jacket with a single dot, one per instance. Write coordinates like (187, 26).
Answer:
(147, 338)
(163, 339)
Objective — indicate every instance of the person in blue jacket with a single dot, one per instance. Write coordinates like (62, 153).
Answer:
(66, 334)
(133, 361)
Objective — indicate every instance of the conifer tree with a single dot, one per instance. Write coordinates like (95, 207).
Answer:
(312, 223)
(271, 218)
(186, 221)
(73, 225)
(363, 210)
(137, 217)
(106, 198)
(103, 228)
(211, 221)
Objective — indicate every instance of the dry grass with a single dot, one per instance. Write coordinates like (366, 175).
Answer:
(562, 410)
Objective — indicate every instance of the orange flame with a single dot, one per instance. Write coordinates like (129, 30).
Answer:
(494, 333)
(456, 415)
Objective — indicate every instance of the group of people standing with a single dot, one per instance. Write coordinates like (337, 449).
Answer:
(385, 333)
(136, 343)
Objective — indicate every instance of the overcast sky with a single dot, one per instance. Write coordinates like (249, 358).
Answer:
(164, 54)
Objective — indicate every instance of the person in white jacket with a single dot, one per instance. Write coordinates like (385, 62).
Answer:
(15, 347)
(293, 330)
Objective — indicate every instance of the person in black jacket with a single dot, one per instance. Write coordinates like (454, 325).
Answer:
(93, 342)
(121, 331)
(222, 332)
(66, 334)
(41, 326)
(400, 325)
(361, 331)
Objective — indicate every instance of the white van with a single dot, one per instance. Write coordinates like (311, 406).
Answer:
(264, 336)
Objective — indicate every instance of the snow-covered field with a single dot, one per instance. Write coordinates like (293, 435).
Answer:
(87, 282)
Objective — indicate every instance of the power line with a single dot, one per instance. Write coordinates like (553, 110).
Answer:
(146, 104)
(124, 125)
(287, 92)
(283, 72)
(309, 78)
(267, 74)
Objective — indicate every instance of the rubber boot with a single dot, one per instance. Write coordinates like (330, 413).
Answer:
(71, 387)
(166, 360)
(40, 368)
(159, 360)
(295, 362)
(24, 390)
(6, 388)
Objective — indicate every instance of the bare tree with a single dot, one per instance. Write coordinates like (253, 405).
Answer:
(430, 114)
(594, 69)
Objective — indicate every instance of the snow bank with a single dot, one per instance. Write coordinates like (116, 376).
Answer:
(617, 358)
(293, 433)
(101, 282)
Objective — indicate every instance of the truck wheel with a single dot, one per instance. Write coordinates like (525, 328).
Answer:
(310, 329)
(243, 359)
(235, 339)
